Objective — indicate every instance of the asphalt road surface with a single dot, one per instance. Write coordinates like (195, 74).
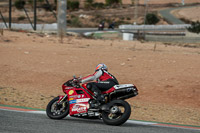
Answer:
(22, 122)
(169, 17)
(166, 13)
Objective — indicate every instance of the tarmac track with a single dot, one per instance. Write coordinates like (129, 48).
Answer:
(23, 122)
(166, 13)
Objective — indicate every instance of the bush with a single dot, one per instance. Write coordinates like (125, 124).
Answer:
(21, 18)
(98, 5)
(88, 4)
(111, 2)
(30, 2)
(72, 5)
(75, 22)
(151, 19)
(195, 27)
(128, 18)
(91, 5)
(19, 4)
(47, 7)
(89, 1)
(41, 1)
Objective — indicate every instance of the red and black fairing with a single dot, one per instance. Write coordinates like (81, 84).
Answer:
(79, 96)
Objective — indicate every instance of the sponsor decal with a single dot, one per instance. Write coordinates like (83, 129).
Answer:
(67, 88)
(129, 89)
(72, 101)
(83, 100)
(79, 108)
(76, 96)
(71, 92)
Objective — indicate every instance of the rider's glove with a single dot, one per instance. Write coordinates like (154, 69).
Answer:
(77, 80)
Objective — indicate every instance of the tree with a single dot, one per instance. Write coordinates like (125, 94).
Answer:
(195, 27)
(151, 19)
(72, 5)
(19, 4)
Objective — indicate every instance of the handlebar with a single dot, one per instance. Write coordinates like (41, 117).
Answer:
(75, 82)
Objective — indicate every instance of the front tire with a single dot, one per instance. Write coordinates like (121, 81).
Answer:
(57, 111)
(118, 114)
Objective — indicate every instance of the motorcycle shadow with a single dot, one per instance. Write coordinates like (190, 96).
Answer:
(84, 120)
(97, 121)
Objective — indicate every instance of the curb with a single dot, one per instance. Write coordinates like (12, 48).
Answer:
(141, 122)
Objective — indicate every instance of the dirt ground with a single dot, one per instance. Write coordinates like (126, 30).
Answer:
(34, 67)
(190, 14)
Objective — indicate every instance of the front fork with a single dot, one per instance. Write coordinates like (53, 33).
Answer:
(61, 102)
(62, 98)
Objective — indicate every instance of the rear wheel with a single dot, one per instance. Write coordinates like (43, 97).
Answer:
(57, 110)
(118, 113)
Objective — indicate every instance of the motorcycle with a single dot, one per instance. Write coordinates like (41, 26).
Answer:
(101, 26)
(111, 26)
(79, 101)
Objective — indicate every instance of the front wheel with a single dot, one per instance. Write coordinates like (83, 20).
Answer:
(57, 110)
(118, 113)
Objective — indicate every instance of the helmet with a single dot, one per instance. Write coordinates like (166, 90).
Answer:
(101, 66)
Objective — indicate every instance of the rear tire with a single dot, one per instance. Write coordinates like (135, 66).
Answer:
(55, 111)
(118, 114)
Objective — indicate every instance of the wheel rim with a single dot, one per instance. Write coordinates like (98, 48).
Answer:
(58, 109)
(116, 111)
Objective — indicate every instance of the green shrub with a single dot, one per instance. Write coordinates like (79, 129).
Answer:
(98, 5)
(47, 7)
(151, 19)
(195, 27)
(128, 18)
(30, 2)
(122, 18)
(21, 18)
(75, 22)
(108, 21)
(73, 16)
(89, 1)
(72, 5)
(111, 2)
(41, 1)
(19, 4)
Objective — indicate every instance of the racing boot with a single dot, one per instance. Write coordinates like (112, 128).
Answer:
(100, 99)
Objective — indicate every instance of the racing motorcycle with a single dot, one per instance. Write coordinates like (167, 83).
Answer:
(101, 26)
(79, 101)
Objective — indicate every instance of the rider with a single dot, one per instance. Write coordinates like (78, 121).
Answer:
(104, 79)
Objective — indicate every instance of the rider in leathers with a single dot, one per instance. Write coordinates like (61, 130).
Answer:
(104, 79)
